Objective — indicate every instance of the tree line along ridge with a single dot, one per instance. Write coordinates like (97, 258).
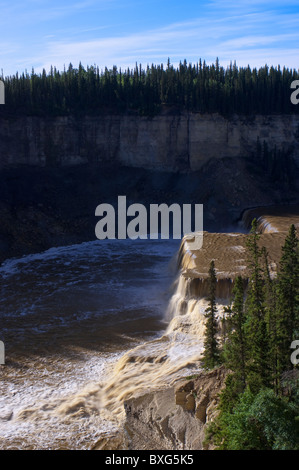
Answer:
(189, 87)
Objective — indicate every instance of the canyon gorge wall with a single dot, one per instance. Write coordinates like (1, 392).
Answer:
(55, 171)
(172, 142)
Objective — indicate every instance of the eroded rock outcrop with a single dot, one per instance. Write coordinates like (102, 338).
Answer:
(174, 417)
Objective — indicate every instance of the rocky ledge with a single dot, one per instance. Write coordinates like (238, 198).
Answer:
(173, 418)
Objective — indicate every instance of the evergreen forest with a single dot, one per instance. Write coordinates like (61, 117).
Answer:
(259, 346)
(199, 88)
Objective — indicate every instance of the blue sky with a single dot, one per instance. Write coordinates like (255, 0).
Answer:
(41, 33)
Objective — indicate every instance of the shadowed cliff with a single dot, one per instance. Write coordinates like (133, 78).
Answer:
(45, 207)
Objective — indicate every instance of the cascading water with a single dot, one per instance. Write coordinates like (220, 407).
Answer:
(149, 366)
(68, 399)
(161, 361)
(272, 219)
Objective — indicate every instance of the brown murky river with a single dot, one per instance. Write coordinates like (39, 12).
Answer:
(67, 317)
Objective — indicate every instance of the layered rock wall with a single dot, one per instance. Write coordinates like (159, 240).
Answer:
(176, 142)
(176, 417)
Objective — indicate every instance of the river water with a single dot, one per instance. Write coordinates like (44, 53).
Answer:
(75, 321)
(86, 327)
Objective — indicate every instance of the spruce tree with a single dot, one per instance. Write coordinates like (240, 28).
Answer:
(270, 289)
(235, 346)
(288, 298)
(256, 331)
(211, 348)
(200, 88)
(254, 414)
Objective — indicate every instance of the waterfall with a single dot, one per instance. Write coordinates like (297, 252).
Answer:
(151, 365)
(176, 352)
(272, 219)
(90, 405)
(162, 361)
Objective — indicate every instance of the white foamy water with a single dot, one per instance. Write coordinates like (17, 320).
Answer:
(66, 316)
(86, 327)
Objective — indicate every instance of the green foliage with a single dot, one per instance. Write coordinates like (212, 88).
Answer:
(271, 319)
(287, 299)
(259, 405)
(277, 164)
(234, 350)
(192, 87)
(230, 395)
(255, 327)
(211, 348)
(259, 421)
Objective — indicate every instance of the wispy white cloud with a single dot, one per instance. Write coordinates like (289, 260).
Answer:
(228, 37)
(259, 41)
(250, 31)
(46, 10)
(227, 4)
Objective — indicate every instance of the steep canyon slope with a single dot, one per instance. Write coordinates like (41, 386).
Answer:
(170, 141)
(54, 172)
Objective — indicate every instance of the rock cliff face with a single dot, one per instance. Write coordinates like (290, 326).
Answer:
(165, 142)
(174, 418)
(55, 171)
